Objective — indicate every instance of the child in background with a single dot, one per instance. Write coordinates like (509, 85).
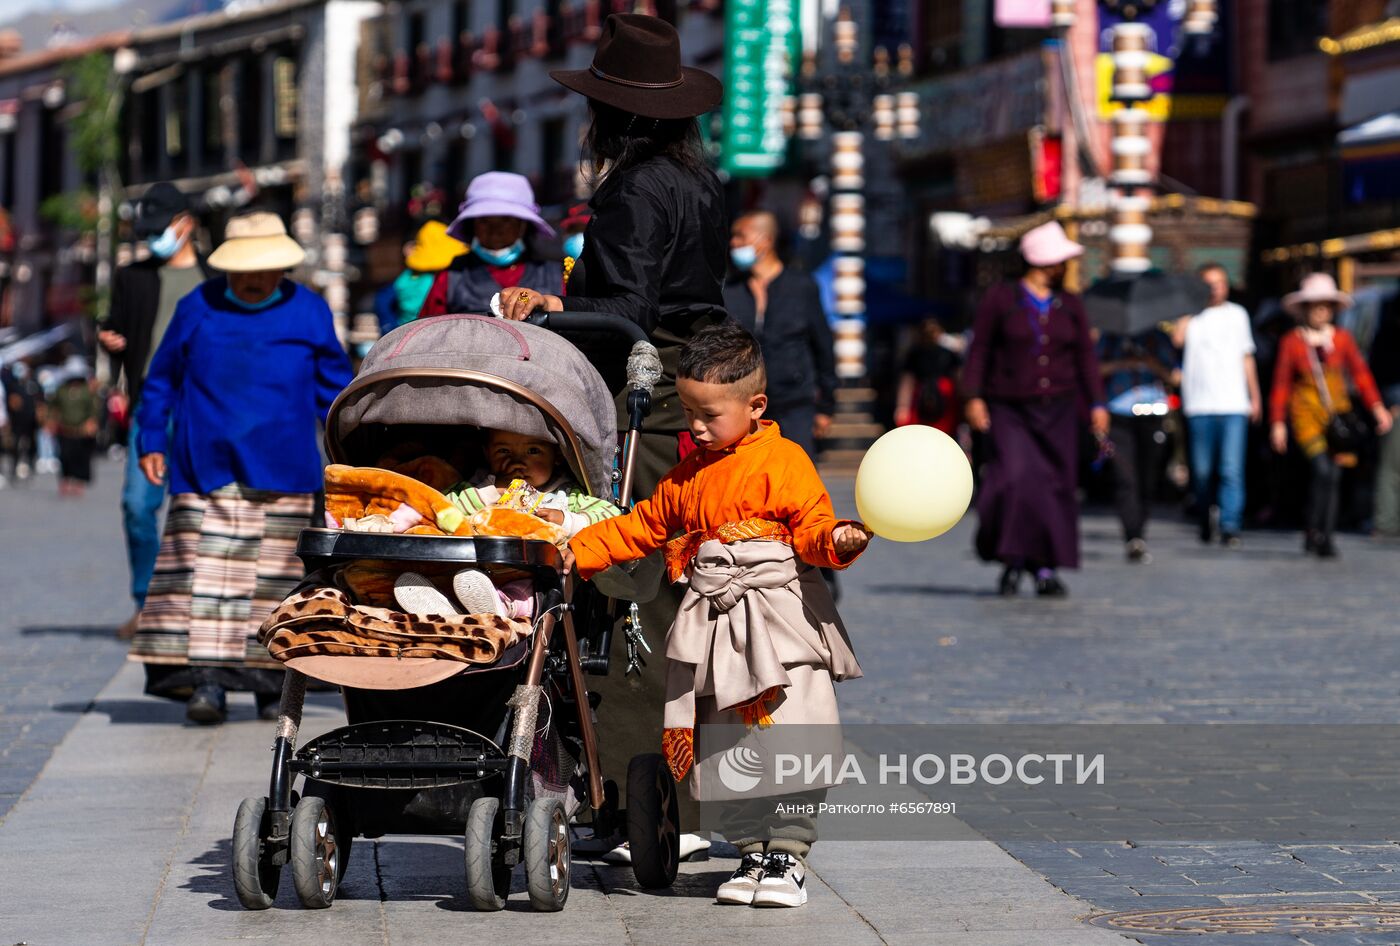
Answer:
(73, 412)
(552, 495)
(746, 522)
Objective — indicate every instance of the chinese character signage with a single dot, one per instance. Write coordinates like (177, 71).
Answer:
(763, 47)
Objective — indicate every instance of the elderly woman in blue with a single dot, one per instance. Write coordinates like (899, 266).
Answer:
(229, 412)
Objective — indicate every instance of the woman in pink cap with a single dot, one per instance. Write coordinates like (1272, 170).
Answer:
(1029, 367)
(1310, 389)
(495, 219)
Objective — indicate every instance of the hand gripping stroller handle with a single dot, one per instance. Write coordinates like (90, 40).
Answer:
(643, 364)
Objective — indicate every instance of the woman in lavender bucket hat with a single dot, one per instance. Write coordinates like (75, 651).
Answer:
(495, 220)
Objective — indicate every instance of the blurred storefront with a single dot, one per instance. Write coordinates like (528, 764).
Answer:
(1017, 128)
(449, 90)
(1327, 192)
(247, 104)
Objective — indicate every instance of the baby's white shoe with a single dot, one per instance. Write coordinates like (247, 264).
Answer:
(416, 595)
(476, 592)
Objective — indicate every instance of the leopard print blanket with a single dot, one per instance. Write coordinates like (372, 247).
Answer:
(319, 619)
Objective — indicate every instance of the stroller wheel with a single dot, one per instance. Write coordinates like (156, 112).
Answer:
(653, 821)
(488, 880)
(316, 853)
(547, 855)
(255, 877)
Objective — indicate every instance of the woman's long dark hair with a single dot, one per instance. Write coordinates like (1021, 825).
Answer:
(619, 140)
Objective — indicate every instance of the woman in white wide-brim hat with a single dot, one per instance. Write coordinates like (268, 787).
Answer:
(1311, 387)
(244, 374)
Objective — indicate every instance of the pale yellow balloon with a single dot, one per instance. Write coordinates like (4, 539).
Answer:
(914, 484)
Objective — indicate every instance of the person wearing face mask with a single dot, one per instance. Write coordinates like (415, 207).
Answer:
(246, 372)
(429, 253)
(144, 295)
(495, 220)
(1030, 366)
(783, 310)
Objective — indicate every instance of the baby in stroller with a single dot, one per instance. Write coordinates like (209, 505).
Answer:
(523, 473)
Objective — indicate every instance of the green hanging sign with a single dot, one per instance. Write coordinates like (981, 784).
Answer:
(763, 47)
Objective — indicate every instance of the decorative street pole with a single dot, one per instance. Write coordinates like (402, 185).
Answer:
(847, 99)
(1131, 176)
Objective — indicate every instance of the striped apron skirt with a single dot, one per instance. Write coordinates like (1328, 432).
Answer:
(226, 560)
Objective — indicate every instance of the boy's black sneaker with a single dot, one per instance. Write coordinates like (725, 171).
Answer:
(784, 882)
(1231, 540)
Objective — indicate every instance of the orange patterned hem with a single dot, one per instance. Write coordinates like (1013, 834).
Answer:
(678, 744)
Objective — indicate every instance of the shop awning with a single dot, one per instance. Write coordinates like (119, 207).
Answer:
(1377, 241)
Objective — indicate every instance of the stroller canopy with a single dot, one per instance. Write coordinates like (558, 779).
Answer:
(479, 371)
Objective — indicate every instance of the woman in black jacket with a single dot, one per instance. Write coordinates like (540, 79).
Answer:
(656, 248)
(655, 253)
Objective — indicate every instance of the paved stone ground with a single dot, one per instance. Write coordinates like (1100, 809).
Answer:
(1201, 635)
(124, 837)
(61, 597)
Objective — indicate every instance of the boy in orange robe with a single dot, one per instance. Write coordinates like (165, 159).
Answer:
(745, 522)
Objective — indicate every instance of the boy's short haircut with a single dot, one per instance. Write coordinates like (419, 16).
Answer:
(725, 354)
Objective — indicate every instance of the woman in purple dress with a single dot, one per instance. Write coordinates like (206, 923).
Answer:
(1030, 367)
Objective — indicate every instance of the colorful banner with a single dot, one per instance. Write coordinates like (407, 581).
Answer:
(763, 47)
(1189, 75)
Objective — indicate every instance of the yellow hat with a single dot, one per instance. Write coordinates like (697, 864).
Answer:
(433, 249)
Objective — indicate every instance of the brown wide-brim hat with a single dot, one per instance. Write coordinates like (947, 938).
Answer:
(637, 68)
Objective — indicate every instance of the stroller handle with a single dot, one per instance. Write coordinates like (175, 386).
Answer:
(643, 363)
(588, 322)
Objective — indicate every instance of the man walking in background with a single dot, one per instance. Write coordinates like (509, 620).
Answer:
(1220, 398)
(783, 309)
(144, 295)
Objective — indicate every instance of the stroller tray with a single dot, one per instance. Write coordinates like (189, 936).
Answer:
(399, 754)
(320, 547)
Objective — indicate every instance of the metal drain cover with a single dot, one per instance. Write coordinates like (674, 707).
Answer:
(1293, 918)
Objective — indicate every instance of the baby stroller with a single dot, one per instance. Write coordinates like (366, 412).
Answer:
(498, 754)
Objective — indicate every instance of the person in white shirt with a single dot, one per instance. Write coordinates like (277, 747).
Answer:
(1220, 398)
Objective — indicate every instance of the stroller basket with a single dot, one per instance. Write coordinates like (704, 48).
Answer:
(411, 754)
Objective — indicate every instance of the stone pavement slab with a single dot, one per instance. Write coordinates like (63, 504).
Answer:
(137, 807)
(62, 594)
(1202, 635)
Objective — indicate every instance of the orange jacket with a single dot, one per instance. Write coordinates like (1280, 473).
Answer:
(763, 476)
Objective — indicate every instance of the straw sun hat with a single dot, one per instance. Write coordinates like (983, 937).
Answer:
(255, 243)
